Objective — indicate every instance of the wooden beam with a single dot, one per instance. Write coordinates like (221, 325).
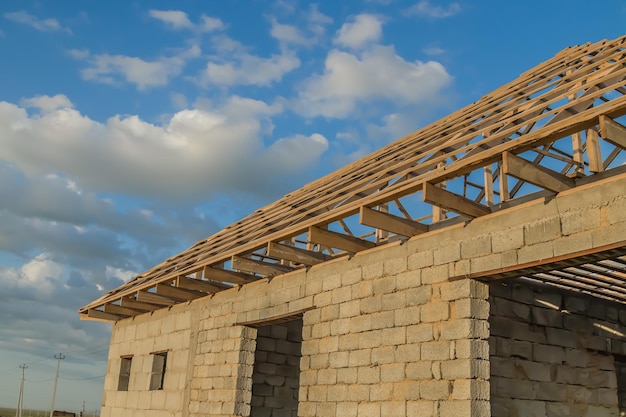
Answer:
(180, 293)
(593, 152)
(224, 275)
(339, 240)
(613, 132)
(138, 305)
(97, 315)
(258, 267)
(391, 223)
(122, 311)
(535, 174)
(148, 297)
(294, 254)
(200, 285)
(450, 201)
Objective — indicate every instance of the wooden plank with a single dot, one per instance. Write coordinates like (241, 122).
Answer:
(535, 174)
(138, 305)
(122, 311)
(259, 267)
(594, 154)
(166, 290)
(199, 285)
(613, 132)
(450, 201)
(97, 315)
(391, 223)
(224, 275)
(148, 297)
(294, 254)
(338, 240)
(609, 251)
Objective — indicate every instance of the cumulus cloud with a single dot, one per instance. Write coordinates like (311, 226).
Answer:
(46, 103)
(376, 74)
(317, 21)
(175, 19)
(364, 29)
(247, 69)
(43, 25)
(178, 20)
(425, 9)
(113, 69)
(287, 34)
(194, 154)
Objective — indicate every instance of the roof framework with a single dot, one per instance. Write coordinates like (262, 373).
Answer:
(557, 126)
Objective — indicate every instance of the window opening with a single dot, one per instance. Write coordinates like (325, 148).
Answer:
(125, 365)
(158, 370)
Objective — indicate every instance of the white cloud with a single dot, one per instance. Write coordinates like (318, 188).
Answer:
(177, 20)
(247, 69)
(378, 73)
(43, 25)
(47, 104)
(425, 9)
(364, 29)
(111, 69)
(209, 24)
(317, 21)
(172, 18)
(195, 154)
(434, 50)
(287, 34)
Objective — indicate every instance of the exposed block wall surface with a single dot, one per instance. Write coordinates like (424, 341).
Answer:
(386, 332)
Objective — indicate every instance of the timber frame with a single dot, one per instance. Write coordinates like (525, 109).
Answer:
(557, 126)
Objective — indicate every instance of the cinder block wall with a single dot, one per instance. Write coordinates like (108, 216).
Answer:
(385, 333)
(552, 354)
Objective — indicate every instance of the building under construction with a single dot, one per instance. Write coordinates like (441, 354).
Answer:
(476, 267)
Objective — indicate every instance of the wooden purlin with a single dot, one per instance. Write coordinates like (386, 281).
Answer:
(458, 136)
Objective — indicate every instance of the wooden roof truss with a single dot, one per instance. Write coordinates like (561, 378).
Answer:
(557, 126)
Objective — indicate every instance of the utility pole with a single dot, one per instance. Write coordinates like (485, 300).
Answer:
(82, 413)
(59, 357)
(20, 398)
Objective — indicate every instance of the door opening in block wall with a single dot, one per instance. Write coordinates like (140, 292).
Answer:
(276, 372)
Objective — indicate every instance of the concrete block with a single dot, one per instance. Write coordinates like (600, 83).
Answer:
(392, 372)
(576, 221)
(421, 260)
(435, 311)
(542, 230)
(422, 408)
(368, 375)
(435, 274)
(419, 370)
(508, 239)
(408, 279)
(437, 350)
(407, 316)
(549, 354)
(475, 247)
(419, 333)
(535, 252)
(573, 243)
(406, 353)
(384, 355)
(395, 266)
(435, 390)
(449, 252)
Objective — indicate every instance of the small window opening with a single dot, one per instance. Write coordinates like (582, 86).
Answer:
(158, 370)
(122, 384)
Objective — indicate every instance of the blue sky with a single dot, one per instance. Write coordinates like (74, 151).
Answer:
(129, 130)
